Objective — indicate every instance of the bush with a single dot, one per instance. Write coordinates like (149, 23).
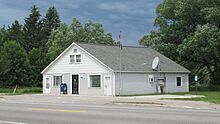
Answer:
(6, 90)
(26, 90)
(29, 90)
(205, 88)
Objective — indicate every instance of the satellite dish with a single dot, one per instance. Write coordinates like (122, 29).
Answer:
(155, 63)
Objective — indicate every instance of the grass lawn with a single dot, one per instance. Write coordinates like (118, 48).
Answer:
(210, 96)
(26, 90)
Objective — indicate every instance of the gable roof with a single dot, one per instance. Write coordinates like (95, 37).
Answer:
(134, 59)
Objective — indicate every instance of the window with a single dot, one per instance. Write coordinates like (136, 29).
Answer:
(95, 80)
(75, 50)
(72, 58)
(57, 80)
(75, 58)
(47, 83)
(178, 81)
(78, 58)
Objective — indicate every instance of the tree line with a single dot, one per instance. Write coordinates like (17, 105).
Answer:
(188, 32)
(26, 49)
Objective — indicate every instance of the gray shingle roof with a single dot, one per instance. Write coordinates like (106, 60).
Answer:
(133, 58)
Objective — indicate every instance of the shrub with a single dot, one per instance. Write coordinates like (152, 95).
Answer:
(6, 90)
(205, 88)
(29, 90)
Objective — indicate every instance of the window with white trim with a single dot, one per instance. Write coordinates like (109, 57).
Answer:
(72, 58)
(47, 83)
(178, 81)
(95, 80)
(78, 58)
(57, 80)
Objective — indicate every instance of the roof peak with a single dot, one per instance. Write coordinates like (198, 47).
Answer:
(111, 45)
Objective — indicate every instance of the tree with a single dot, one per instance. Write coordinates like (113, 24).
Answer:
(16, 74)
(51, 21)
(58, 41)
(37, 62)
(64, 35)
(177, 21)
(203, 48)
(4, 36)
(4, 62)
(33, 34)
(16, 33)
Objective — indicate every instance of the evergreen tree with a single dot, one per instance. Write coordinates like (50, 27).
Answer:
(50, 22)
(33, 30)
(16, 33)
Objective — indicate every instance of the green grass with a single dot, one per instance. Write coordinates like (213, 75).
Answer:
(26, 90)
(6, 90)
(210, 96)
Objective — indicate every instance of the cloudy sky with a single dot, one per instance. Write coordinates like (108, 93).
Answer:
(133, 17)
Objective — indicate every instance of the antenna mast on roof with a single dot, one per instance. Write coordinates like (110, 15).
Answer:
(120, 57)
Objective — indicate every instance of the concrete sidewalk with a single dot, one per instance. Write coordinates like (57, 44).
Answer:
(151, 100)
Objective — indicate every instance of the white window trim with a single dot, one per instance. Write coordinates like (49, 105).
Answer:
(74, 58)
(181, 81)
(53, 79)
(75, 62)
(80, 58)
(89, 86)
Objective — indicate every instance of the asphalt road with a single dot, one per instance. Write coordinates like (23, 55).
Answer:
(22, 113)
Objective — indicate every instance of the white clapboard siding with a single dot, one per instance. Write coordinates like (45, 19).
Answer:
(133, 83)
(88, 64)
(171, 85)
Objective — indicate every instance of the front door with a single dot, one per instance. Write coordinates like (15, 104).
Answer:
(108, 86)
(47, 84)
(75, 84)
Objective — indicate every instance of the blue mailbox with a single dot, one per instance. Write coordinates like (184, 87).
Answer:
(63, 88)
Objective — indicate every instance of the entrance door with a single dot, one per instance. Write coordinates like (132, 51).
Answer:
(108, 86)
(75, 84)
(47, 84)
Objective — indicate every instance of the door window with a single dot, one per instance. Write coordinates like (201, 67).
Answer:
(47, 83)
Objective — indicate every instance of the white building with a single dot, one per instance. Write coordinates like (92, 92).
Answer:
(95, 70)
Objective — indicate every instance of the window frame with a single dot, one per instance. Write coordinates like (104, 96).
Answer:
(54, 80)
(90, 83)
(180, 81)
(75, 60)
(78, 58)
(47, 86)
